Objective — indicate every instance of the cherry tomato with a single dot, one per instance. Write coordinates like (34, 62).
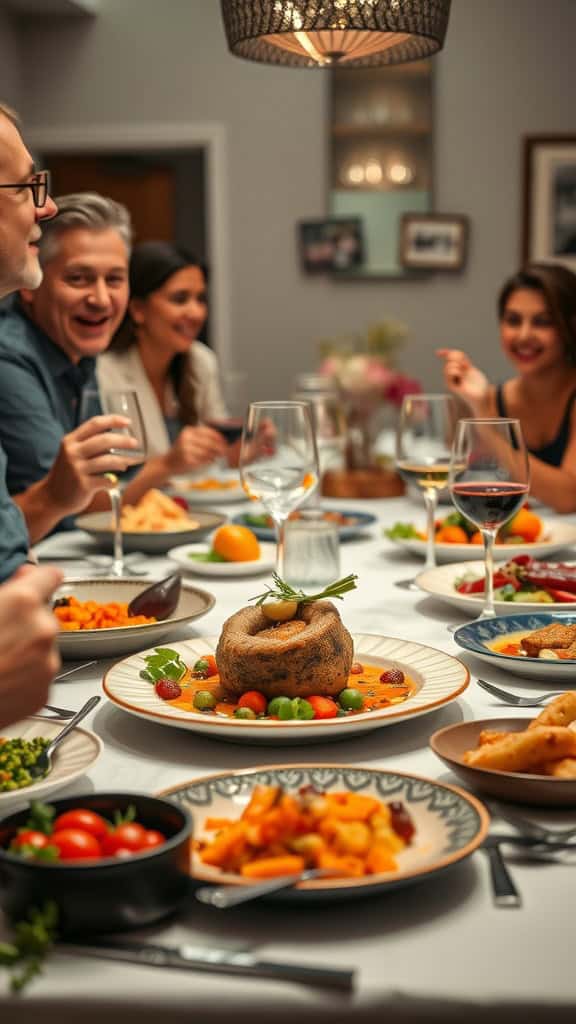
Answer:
(129, 836)
(181, 502)
(324, 707)
(123, 853)
(152, 838)
(29, 837)
(254, 700)
(74, 844)
(86, 821)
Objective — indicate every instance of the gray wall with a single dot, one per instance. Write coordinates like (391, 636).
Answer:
(10, 65)
(508, 69)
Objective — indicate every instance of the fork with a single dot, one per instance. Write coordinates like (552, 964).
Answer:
(530, 828)
(61, 712)
(518, 702)
(224, 896)
(43, 765)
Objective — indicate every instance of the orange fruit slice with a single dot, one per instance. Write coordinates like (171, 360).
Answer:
(236, 543)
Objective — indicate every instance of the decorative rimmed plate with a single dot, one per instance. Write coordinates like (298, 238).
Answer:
(226, 494)
(440, 582)
(556, 537)
(97, 524)
(440, 678)
(450, 744)
(75, 755)
(362, 521)
(181, 556)
(477, 637)
(450, 824)
(108, 643)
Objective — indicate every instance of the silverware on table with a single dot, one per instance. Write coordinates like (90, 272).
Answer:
(504, 891)
(69, 671)
(60, 712)
(512, 698)
(530, 828)
(43, 765)
(224, 896)
(218, 960)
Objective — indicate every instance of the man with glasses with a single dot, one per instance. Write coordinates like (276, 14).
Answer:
(28, 657)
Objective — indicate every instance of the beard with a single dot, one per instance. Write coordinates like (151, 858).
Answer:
(32, 275)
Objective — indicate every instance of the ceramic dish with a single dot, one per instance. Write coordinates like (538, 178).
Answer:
(477, 637)
(450, 824)
(439, 678)
(556, 537)
(77, 753)
(439, 583)
(450, 743)
(225, 495)
(109, 643)
(181, 556)
(97, 524)
(362, 520)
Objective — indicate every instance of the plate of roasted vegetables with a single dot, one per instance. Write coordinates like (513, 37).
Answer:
(376, 830)
(458, 540)
(350, 522)
(523, 584)
(539, 645)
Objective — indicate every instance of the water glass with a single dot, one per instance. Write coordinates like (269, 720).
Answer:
(312, 552)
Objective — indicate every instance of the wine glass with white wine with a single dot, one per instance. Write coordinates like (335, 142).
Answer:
(279, 461)
(423, 452)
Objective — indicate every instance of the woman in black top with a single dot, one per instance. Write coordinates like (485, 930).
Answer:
(537, 314)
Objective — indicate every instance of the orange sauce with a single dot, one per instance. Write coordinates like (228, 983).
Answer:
(376, 694)
(515, 650)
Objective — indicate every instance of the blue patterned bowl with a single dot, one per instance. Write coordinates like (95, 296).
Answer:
(450, 824)
(477, 637)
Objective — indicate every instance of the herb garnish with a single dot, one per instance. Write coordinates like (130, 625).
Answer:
(282, 591)
(33, 939)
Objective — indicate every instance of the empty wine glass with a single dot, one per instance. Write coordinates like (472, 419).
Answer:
(489, 481)
(120, 403)
(279, 461)
(423, 453)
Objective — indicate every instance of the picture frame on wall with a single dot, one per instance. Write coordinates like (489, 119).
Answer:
(332, 245)
(433, 241)
(549, 199)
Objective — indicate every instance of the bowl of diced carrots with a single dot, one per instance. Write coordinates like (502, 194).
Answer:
(94, 621)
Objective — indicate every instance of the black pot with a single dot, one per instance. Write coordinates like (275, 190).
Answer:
(109, 894)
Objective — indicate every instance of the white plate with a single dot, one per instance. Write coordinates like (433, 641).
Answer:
(75, 756)
(109, 643)
(183, 485)
(557, 536)
(440, 679)
(450, 823)
(265, 563)
(439, 583)
(98, 525)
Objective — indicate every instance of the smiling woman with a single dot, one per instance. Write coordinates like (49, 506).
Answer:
(537, 314)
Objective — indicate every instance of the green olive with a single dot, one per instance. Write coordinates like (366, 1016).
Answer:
(244, 713)
(351, 699)
(280, 611)
(204, 700)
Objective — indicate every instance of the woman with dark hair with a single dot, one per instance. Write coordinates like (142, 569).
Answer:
(157, 354)
(537, 314)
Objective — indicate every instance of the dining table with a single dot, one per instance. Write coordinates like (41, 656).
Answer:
(434, 951)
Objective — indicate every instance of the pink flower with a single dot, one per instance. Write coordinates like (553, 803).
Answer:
(400, 386)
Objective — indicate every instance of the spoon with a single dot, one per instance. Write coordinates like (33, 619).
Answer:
(158, 600)
(224, 896)
(44, 763)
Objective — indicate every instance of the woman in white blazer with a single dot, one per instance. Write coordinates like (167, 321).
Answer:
(156, 353)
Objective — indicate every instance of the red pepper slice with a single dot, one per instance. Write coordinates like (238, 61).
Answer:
(563, 596)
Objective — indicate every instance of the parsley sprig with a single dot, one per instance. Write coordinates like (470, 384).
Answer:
(282, 591)
(33, 939)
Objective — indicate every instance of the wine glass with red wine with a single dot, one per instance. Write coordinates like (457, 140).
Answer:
(489, 481)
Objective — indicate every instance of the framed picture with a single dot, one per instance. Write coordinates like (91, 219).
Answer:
(332, 245)
(433, 241)
(549, 228)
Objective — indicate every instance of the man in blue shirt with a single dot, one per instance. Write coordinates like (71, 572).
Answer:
(49, 338)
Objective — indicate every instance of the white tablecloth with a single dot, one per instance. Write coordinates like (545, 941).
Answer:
(436, 950)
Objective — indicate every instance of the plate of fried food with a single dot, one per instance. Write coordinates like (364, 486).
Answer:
(376, 830)
(458, 540)
(530, 762)
(154, 525)
(286, 670)
(540, 646)
(94, 618)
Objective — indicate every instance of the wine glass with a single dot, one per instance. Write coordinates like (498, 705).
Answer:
(489, 481)
(279, 461)
(120, 403)
(423, 452)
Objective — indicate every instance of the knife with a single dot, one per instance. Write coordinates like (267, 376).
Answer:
(218, 960)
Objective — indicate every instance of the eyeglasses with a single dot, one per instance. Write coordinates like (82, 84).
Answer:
(39, 185)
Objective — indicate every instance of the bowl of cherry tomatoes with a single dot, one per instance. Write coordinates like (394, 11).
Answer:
(110, 861)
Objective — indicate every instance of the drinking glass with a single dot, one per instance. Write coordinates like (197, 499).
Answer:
(121, 403)
(423, 452)
(279, 461)
(489, 481)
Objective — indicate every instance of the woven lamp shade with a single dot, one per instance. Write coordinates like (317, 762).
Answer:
(325, 33)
